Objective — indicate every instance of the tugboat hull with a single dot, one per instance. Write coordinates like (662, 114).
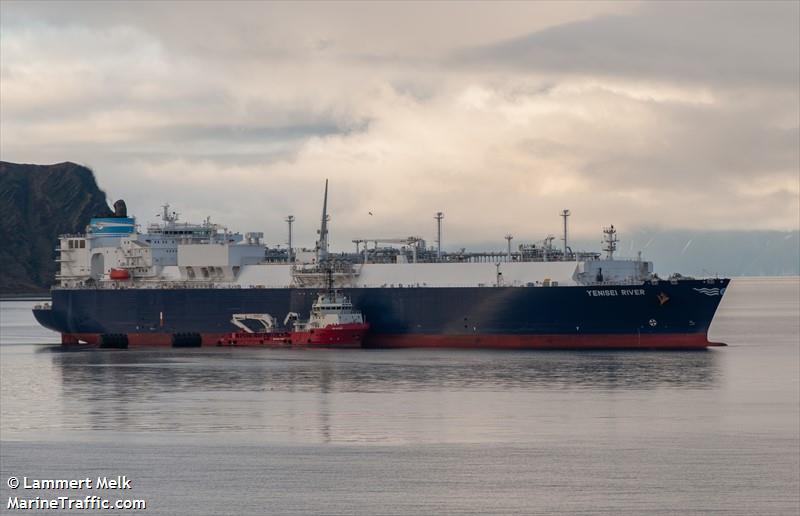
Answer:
(337, 336)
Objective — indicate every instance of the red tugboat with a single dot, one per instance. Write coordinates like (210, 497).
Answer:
(333, 323)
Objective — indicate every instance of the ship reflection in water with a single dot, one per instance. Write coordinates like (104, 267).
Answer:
(365, 396)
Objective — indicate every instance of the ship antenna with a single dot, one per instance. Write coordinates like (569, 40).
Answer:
(290, 220)
(439, 216)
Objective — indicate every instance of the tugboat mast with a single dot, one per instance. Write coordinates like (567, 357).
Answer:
(329, 272)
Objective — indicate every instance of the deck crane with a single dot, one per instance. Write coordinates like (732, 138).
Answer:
(265, 320)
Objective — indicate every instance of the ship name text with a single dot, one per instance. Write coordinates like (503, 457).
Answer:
(611, 292)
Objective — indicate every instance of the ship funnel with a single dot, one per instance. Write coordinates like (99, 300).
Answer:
(120, 209)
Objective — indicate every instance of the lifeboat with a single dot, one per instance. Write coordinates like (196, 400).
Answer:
(119, 274)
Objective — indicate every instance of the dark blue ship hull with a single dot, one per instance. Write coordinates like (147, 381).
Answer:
(653, 315)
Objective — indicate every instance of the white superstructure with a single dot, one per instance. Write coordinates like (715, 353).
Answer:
(114, 254)
(330, 308)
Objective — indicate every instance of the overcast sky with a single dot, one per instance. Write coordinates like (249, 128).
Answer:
(673, 115)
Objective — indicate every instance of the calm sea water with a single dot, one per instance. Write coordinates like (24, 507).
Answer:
(221, 431)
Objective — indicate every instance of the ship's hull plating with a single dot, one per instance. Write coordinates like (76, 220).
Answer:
(663, 315)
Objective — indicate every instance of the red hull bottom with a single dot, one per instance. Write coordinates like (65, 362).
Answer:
(335, 336)
(615, 341)
(243, 340)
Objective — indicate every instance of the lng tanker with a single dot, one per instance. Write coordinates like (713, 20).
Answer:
(183, 284)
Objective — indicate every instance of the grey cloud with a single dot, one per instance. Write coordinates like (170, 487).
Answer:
(212, 104)
(719, 42)
(702, 151)
(193, 28)
(693, 146)
(238, 134)
(384, 31)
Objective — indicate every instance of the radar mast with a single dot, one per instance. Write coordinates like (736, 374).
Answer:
(610, 241)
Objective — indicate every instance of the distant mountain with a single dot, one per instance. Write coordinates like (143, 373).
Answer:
(38, 203)
(723, 253)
